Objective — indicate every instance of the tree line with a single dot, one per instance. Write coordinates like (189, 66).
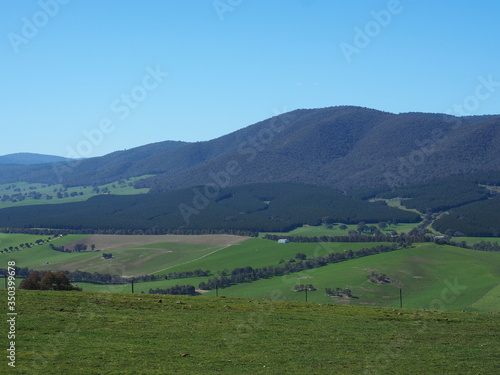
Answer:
(25, 245)
(106, 278)
(400, 238)
(119, 231)
(188, 290)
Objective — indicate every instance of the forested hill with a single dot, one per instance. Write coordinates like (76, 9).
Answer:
(93, 171)
(342, 147)
(26, 158)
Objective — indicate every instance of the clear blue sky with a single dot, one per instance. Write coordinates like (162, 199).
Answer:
(65, 68)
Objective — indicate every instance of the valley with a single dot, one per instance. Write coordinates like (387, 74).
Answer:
(175, 227)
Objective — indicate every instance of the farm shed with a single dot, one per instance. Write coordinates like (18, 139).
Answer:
(283, 241)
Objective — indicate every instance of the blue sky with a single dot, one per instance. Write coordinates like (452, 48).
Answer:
(91, 77)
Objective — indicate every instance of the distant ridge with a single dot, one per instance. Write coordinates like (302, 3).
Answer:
(343, 147)
(27, 158)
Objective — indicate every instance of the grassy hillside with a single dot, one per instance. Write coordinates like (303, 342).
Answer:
(171, 254)
(86, 333)
(146, 257)
(27, 194)
(424, 273)
(8, 240)
(323, 230)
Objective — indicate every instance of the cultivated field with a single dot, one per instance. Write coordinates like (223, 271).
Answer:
(132, 255)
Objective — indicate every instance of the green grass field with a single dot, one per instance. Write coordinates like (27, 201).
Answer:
(8, 240)
(98, 333)
(431, 276)
(474, 240)
(122, 187)
(165, 257)
(423, 273)
(322, 230)
(147, 258)
(35, 257)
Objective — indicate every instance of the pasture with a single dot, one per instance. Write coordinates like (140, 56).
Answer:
(132, 255)
(425, 273)
(431, 276)
(57, 194)
(90, 333)
(323, 230)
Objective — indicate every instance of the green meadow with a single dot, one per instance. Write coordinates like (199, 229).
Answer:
(323, 230)
(101, 333)
(428, 275)
(68, 194)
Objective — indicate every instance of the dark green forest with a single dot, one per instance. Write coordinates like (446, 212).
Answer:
(479, 219)
(256, 207)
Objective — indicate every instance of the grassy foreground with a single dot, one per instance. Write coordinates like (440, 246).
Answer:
(101, 333)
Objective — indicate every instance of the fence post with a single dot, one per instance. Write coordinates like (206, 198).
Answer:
(400, 298)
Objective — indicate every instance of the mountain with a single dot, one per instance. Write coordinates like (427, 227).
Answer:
(342, 147)
(92, 171)
(27, 158)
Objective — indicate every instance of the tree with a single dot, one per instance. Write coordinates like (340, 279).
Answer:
(382, 225)
(49, 281)
(32, 282)
(56, 281)
(361, 227)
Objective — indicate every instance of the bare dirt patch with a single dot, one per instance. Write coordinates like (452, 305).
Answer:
(201, 291)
